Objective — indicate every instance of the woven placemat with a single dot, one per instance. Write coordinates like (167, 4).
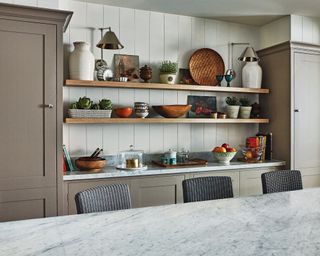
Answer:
(205, 64)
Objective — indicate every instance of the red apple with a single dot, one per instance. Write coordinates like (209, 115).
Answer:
(231, 150)
(225, 145)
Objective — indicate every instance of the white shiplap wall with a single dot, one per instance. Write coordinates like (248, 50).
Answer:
(275, 32)
(305, 29)
(154, 37)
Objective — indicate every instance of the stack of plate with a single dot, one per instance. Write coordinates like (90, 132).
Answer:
(141, 109)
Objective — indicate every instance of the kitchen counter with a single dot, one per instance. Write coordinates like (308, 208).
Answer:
(275, 224)
(112, 172)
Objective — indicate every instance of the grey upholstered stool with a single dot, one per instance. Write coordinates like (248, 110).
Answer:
(280, 181)
(207, 188)
(103, 198)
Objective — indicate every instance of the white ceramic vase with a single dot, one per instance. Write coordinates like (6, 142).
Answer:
(232, 111)
(81, 62)
(251, 75)
(168, 78)
(245, 112)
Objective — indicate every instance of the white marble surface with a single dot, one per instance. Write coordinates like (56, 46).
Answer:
(275, 224)
(112, 172)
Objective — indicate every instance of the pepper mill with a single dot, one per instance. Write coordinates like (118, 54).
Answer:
(146, 73)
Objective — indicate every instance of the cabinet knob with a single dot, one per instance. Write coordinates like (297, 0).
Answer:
(48, 105)
(297, 110)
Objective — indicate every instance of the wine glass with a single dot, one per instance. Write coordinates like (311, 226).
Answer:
(219, 79)
(228, 78)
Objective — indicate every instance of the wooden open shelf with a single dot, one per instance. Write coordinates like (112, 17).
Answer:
(158, 86)
(163, 121)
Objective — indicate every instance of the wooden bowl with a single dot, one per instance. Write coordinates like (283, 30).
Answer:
(123, 112)
(172, 111)
(90, 164)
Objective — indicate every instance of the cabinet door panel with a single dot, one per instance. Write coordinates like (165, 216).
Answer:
(28, 82)
(157, 191)
(27, 204)
(307, 120)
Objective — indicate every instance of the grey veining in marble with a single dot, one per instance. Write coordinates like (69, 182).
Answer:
(275, 224)
(112, 172)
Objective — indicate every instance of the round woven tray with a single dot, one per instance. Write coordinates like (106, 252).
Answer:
(205, 64)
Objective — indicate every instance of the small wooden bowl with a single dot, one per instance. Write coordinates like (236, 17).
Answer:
(90, 164)
(172, 111)
(124, 112)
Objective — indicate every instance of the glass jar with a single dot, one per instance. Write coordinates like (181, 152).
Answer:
(131, 159)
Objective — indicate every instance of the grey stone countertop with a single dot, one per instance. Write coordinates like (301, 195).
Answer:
(112, 172)
(276, 224)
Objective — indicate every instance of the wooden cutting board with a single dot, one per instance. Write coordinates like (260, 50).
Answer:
(192, 162)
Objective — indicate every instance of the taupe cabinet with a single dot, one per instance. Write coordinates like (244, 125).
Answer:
(156, 190)
(292, 72)
(31, 114)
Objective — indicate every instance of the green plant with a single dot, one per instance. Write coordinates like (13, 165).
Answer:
(95, 106)
(168, 67)
(84, 103)
(245, 102)
(232, 101)
(73, 105)
(105, 104)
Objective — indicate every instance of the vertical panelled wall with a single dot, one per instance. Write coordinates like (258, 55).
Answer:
(154, 37)
(305, 29)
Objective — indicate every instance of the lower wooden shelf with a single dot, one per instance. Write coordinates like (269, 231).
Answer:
(163, 121)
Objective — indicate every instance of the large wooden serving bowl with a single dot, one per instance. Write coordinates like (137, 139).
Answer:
(172, 111)
(90, 164)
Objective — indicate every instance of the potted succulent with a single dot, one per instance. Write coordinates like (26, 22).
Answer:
(233, 107)
(245, 108)
(168, 72)
(85, 108)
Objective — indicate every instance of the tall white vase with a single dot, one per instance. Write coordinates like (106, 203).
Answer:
(252, 75)
(81, 62)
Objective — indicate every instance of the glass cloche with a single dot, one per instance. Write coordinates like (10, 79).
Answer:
(131, 159)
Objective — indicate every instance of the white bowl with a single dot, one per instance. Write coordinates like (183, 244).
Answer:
(224, 158)
(142, 114)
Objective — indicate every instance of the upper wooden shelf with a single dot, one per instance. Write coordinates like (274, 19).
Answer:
(158, 86)
(163, 121)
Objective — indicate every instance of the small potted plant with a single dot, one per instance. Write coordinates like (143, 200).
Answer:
(233, 107)
(245, 108)
(168, 72)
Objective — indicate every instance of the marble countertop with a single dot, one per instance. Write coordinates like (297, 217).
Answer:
(275, 224)
(112, 172)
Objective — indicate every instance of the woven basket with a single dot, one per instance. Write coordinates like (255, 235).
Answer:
(205, 64)
(89, 113)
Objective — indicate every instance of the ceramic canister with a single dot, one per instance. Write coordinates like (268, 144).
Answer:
(81, 62)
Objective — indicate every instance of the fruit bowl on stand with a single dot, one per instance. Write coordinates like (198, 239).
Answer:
(224, 154)
(224, 158)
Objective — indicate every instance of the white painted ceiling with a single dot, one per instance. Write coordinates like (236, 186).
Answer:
(255, 12)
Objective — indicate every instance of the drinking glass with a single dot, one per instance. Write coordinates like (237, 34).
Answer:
(228, 78)
(219, 79)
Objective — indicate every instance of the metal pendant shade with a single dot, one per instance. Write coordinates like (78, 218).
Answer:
(249, 55)
(110, 41)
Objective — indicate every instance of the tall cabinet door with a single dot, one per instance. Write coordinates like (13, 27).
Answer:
(306, 132)
(28, 124)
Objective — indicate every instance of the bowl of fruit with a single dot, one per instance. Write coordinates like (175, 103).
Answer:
(224, 154)
(252, 154)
